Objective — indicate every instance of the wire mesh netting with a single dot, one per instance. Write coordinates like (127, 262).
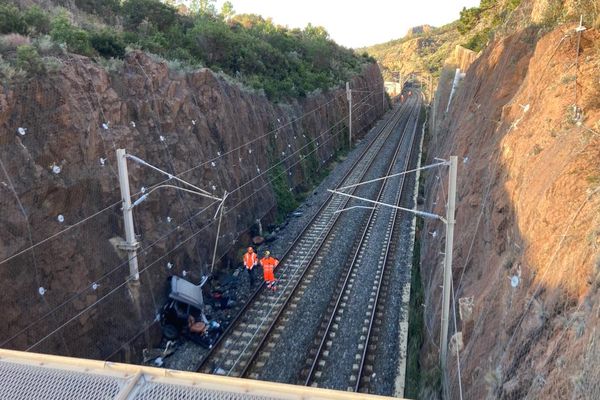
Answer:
(28, 382)
(152, 391)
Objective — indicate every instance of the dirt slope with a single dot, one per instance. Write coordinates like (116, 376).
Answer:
(528, 206)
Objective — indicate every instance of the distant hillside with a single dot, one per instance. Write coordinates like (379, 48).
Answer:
(421, 50)
(424, 49)
(280, 61)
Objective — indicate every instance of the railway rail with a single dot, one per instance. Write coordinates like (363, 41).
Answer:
(238, 347)
(327, 365)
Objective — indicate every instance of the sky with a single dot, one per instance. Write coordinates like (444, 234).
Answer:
(356, 23)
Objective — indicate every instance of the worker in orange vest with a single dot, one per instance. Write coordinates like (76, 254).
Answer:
(269, 264)
(250, 261)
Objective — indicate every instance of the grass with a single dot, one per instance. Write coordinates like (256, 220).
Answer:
(414, 380)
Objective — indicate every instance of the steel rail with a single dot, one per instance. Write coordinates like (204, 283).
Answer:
(203, 362)
(386, 267)
(247, 369)
(362, 244)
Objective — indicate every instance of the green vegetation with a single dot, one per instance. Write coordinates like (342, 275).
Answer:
(286, 201)
(11, 20)
(469, 17)
(479, 24)
(29, 60)
(76, 39)
(415, 322)
(281, 62)
(423, 52)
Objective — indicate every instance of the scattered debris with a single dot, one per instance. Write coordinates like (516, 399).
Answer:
(56, 169)
(105, 126)
(132, 124)
(22, 131)
(162, 138)
(102, 161)
(169, 265)
(158, 354)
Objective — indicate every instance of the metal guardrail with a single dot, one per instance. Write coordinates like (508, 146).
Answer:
(40, 376)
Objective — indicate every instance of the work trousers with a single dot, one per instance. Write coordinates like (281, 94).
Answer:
(251, 275)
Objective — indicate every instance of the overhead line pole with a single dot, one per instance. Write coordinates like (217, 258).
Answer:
(130, 244)
(449, 221)
(349, 97)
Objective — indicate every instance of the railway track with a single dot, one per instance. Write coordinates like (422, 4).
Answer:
(343, 360)
(239, 345)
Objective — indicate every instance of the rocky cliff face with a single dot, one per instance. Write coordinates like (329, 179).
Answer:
(524, 123)
(58, 136)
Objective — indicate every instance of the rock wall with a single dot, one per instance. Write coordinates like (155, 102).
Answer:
(58, 135)
(527, 239)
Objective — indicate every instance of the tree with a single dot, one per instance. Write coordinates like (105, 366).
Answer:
(227, 10)
(204, 7)
(316, 31)
(11, 20)
(469, 17)
(37, 20)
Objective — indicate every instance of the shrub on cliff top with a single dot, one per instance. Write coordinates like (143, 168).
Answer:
(37, 21)
(108, 44)
(469, 17)
(11, 20)
(281, 62)
(29, 60)
(76, 39)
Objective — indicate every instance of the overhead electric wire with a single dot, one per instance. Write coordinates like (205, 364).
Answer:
(59, 232)
(101, 278)
(274, 303)
(314, 140)
(33, 245)
(144, 250)
(204, 163)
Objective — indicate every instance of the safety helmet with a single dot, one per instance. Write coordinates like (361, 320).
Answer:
(250, 249)
(267, 253)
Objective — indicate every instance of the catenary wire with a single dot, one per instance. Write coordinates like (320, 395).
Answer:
(142, 252)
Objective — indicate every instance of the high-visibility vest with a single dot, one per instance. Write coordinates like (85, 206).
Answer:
(250, 260)
(269, 263)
